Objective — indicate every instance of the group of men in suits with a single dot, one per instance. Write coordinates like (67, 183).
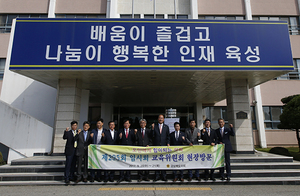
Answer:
(78, 141)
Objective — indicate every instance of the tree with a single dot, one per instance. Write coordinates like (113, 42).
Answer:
(290, 117)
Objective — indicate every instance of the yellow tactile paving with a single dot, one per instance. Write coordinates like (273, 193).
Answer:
(157, 189)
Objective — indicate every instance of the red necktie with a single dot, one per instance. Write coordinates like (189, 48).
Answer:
(126, 133)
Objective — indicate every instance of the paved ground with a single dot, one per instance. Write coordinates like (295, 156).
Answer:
(156, 190)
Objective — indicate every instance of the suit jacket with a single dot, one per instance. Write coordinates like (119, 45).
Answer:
(126, 141)
(81, 144)
(192, 138)
(179, 142)
(162, 139)
(95, 131)
(211, 138)
(140, 141)
(226, 138)
(107, 139)
(69, 147)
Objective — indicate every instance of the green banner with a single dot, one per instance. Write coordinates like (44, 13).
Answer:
(114, 157)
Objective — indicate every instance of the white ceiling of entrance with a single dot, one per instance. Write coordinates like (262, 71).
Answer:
(154, 87)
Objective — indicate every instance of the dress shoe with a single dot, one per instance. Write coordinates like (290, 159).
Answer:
(140, 180)
(67, 181)
(120, 180)
(190, 179)
(92, 180)
(181, 179)
(222, 178)
(147, 179)
(198, 178)
(111, 180)
(84, 180)
(98, 179)
(78, 180)
(213, 179)
(105, 180)
(175, 179)
(228, 179)
(165, 179)
(128, 180)
(205, 179)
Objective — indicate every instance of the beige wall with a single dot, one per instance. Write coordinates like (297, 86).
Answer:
(4, 40)
(221, 7)
(273, 91)
(295, 44)
(277, 138)
(80, 7)
(24, 6)
(274, 7)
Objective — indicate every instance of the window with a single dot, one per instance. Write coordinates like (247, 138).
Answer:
(271, 116)
(221, 17)
(172, 16)
(2, 67)
(80, 16)
(6, 20)
(295, 75)
(253, 117)
(292, 22)
(214, 113)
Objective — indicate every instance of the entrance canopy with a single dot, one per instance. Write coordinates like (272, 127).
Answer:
(129, 61)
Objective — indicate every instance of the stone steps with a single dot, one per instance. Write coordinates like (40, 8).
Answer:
(260, 168)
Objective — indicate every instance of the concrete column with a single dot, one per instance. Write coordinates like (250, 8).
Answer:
(259, 117)
(67, 109)
(238, 101)
(199, 115)
(51, 10)
(257, 94)
(107, 113)
(112, 9)
(194, 9)
(84, 106)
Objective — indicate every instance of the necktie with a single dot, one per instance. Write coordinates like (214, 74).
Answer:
(222, 131)
(143, 133)
(208, 131)
(126, 133)
(160, 128)
(192, 130)
(176, 135)
(85, 134)
(75, 142)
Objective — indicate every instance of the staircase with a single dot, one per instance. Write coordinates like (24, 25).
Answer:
(256, 169)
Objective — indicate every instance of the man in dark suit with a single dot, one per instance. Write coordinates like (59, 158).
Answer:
(161, 137)
(143, 138)
(109, 137)
(209, 137)
(83, 138)
(126, 137)
(70, 149)
(193, 134)
(223, 137)
(177, 139)
(97, 140)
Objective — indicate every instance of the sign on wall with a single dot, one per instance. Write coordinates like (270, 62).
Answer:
(139, 44)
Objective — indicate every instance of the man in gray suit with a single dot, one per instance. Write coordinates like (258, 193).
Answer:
(193, 134)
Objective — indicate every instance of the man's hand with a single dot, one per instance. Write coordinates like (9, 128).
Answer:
(79, 130)
(147, 146)
(168, 145)
(198, 134)
(203, 130)
(152, 126)
(92, 134)
(120, 135)
(67, 129)
(212, 144)
(103, 135)
(221, 143)
(135, 131)
(183, 138)
(231, 125)
(191, 144)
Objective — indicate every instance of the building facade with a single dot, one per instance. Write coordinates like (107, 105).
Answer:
(55, 99)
